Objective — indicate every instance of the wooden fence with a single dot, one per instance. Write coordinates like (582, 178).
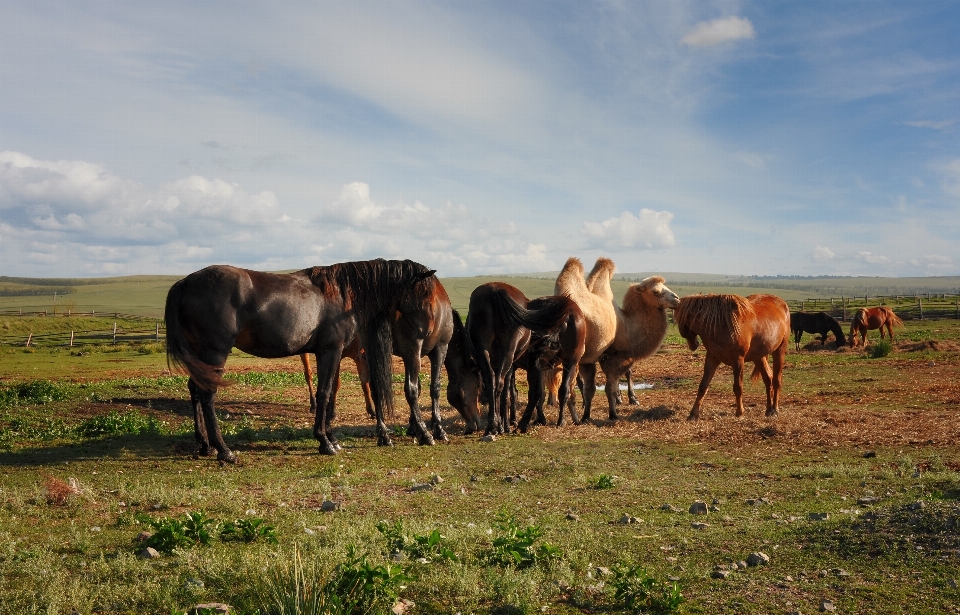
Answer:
(146, 330)
(926, 306)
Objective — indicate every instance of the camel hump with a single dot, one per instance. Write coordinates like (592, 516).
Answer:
(570, 278)
(598, 282)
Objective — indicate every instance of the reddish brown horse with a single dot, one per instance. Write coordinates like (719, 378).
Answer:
(499, 327)
(872, 318)
(736, 329)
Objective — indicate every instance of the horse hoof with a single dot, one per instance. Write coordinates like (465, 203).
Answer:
(227, 457)
(614, 416)
(384, 442)
(426, 440)
(772, 413)
(441, 437)
(693, 417)
(328, 449)
(204, 451)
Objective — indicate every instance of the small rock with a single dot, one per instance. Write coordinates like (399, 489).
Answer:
(329, 506)
(758, 558)
(839, 572)
(210, 608)
(401, 606)
(952, 583)
(720, 574)
(436, 479)
(572, 516)
(826, 606)
(625, 519)
(867, 500)
(716, 502)
(699, 526)
(699, 507)
(308, 531)
(673, 578)
(421, 487)
(149, 553)
(870, 454)
(669, 508)
(814, 516)
(474, 478)
(602, 571)
(794, 613)
(489, 438)
(144, 535)
(193, 582)
(916, 506)
(157, 506)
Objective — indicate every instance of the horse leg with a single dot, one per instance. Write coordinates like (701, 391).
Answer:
(514, 399)
(777, 380)
(308, 376)
(489, 383)
(710, 366)
(411, 387)
(764, 369)
(328, 367)
(363, 373)
(534, 394)
(213, 428)
(796, 338)
(437, 356)
(332, 413)
(589, 373)
(199, 428)
(738, 384)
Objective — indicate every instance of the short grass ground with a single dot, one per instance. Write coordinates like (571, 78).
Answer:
(850, 428)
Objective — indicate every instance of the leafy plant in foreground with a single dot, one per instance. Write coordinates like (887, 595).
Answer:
(248, 530)
(604, 481)
(638, 592)
(880, 349)
(515, 546)
(418, 546)
(168, 534)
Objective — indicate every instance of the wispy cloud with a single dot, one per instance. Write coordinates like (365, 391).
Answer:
(941, 125)
(719, 31)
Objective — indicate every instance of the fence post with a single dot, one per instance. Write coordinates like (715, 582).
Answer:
(843, 300)
(29, 337)
(71, 338)
(958, 308)
(920, 305)
(114, 333)
(158, 330)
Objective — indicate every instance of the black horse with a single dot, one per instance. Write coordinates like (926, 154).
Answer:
(816, 322)
(321, 310)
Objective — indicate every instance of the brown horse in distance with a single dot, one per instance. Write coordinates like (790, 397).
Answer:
(736, 329)
(872, 318)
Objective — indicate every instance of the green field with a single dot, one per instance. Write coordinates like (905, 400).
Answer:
(96, 446)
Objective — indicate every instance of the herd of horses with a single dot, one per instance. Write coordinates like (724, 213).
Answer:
(370, 311)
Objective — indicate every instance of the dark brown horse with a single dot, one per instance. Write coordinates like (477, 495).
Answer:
(499, 327)
(736, 329)
(325, 311)
(872, 318)
(816, 322)
(462, 373)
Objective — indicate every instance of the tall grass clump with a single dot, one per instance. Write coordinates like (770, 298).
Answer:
(118, 424)
(33, 392)
(880, 349)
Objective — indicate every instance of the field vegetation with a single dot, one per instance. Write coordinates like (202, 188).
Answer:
(852, 494)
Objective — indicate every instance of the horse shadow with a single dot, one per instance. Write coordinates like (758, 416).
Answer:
(656, 413)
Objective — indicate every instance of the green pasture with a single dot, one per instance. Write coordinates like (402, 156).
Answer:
(115, 428)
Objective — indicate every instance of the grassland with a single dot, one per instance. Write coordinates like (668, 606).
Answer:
(871, 443)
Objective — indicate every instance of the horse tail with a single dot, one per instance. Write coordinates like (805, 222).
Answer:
(179, 353)
(758, 368)
(377, 341)
(549, 316)
(894, 319)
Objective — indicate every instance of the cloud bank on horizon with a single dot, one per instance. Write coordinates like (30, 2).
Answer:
(742, 137)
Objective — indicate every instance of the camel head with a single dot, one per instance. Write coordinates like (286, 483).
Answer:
(651, 292)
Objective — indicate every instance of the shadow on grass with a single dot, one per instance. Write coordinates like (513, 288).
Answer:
(657, 413)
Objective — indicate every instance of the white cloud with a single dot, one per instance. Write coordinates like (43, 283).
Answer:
(873, 259)
(951, 178)
(718, 31)
(822, 253)
(935, 264)
(650, 231)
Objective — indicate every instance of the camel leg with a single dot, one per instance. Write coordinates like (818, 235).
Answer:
(589, 373)
(710, 366)
(328, 369)
(199, 427)
(631, 393)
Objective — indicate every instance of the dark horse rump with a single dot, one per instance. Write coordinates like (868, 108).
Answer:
(321, 310)
(816, 322)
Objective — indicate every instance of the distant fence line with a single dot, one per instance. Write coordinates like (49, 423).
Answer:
(116, 335)
(919, 306)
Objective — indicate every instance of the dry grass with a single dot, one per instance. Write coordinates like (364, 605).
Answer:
(59, 492)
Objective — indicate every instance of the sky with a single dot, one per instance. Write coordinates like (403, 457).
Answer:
(753, 138)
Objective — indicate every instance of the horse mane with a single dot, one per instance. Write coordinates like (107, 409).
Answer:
(712, 316)
(369, 286)
(571, 276)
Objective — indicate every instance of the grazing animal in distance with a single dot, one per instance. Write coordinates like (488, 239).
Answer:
(499, 327)
(736, 329)
(872, 318)
(816, 322)
(599, 310)
(463, 377)
(321, 310)
(641, 328)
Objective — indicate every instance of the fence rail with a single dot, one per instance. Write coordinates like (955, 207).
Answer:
(925, 306)
(119, 335)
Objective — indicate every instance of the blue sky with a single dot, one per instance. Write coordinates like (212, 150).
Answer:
(480, 137)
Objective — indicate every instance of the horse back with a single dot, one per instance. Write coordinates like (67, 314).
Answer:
(770, 323)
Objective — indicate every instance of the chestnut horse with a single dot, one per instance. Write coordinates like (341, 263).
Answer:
(322, 310)
(462, 389)
(736, 329)
(872, 318)
(499, 327)
(816, 322)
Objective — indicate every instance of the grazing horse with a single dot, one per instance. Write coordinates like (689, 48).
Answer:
(326, 311)
(736, 329)
(428, 337)
(499, 327)
(872, 318)
(816, 322)
(462, 372)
